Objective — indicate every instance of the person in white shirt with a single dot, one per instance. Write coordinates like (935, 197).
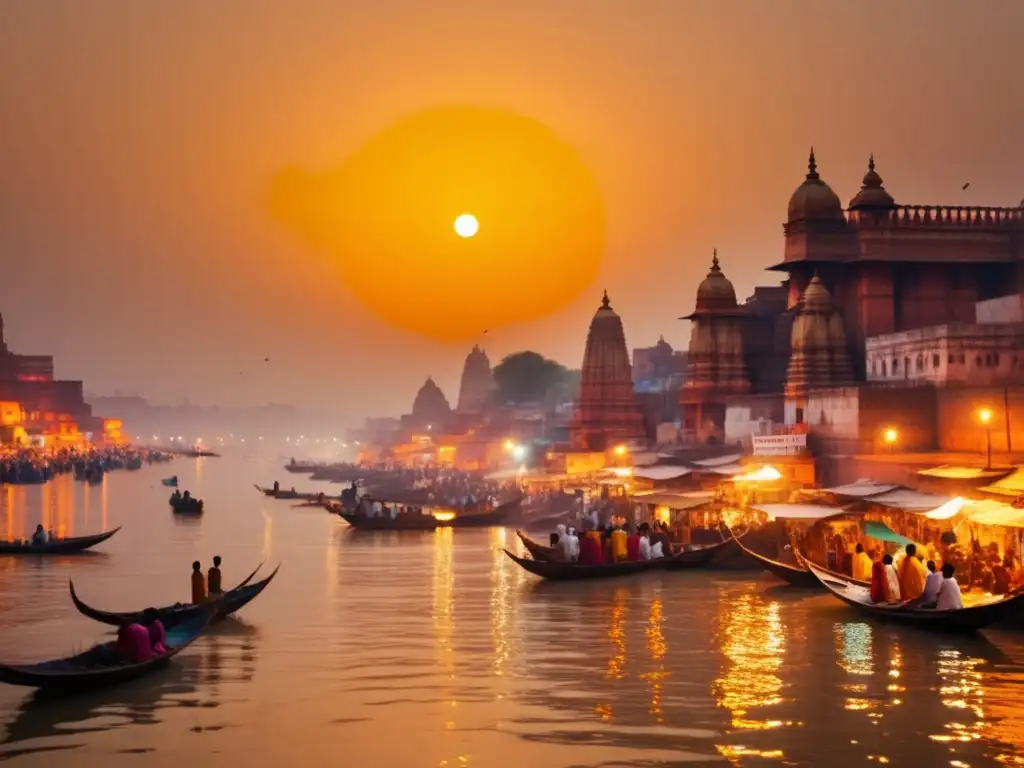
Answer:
(40, 536)
(572, 545)
(931, 587)
(949, 591)
(645, 543)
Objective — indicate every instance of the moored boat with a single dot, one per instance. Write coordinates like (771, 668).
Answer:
(172, 615)
(700, 555)
(537, 550)
(498, 516)
(797, 575)
(559, 571)
(292, 494)
(985, 612)
(99, 666)
(56, 546)
(403, 521)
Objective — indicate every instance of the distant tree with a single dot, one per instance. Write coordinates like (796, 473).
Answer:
(528, 377)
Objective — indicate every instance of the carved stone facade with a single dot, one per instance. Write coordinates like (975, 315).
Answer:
(430, 409)
(893, 268)
(607, 411)
(716, 365)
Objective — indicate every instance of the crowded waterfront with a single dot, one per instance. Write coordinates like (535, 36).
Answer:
(469, 650)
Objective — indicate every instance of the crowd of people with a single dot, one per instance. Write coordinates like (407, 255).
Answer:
(912, 582)
(617, 542)
(34, 464)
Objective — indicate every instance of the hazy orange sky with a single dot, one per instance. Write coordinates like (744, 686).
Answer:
(140, 141)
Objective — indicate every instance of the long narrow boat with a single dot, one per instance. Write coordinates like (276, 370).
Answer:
(99, 665)
(56, 546)
(797, 575)
(293, 495)
(537, 550)
(700, 555)
(406, 521)
(556, 571)
(498, 516)
(970, 618)
(172, 615)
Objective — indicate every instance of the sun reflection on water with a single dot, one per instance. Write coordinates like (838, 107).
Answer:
(962, 692)
(501, 589)
(656, 644)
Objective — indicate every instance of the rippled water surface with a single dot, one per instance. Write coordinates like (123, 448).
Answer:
(433, 649)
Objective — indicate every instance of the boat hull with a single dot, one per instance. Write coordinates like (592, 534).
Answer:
(92, 669)
(557, 571)
(57, 547)
(173, 615)
(967, 619)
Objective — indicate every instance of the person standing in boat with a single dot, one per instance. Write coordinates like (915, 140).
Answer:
(198, 584)
(861, 566)
(912, 575)
(949, 598)
(619, 545)
(213, 578)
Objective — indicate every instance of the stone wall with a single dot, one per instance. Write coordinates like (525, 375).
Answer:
(854, 420)
(959, 426)
(752, 415)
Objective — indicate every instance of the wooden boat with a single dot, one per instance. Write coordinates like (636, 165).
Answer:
(56, 546)
(193, 507)
(537, 550)
(98, 666)
(967, 619)
(700, 555)
(557, 571)
(170, 482)
(292, 495)
(496, 517)
(406, 521)
(172, 615)
(797, 575)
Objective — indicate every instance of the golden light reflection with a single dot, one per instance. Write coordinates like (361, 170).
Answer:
(443, 617)
(331, 563)
(501, 592)
(853, 643)
(656, 644)
(754, 643)
(104, 505)
(268, 536)
(962, 692)
(617, 635)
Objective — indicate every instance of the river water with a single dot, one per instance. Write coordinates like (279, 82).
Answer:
(433, 649)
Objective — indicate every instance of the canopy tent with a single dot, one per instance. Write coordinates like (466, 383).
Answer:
(952, 472)
(982, 512)
(718, 461)
(660, 472)
(1012, 485)
(911, 501)
(680, 501)
(798, 511)
(862, 489)
(726, 469)
(884, 533)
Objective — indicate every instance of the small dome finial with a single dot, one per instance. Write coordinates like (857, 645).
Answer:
(715, 269)
(871, 161)
(605, 302)
(812, 166)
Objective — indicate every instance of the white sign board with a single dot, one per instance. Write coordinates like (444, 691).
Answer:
(778, 445)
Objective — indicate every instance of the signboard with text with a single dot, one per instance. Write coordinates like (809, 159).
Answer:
(779, 445)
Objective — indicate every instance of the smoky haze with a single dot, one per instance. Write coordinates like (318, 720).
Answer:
(140, 140)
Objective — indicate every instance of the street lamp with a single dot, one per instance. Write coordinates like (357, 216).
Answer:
(985, 417)
(620, 450)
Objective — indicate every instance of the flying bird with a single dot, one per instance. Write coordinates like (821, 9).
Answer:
(965, 186)
(266, 359)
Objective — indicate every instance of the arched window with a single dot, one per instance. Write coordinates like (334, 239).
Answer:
(920, 363)
(935, 361)
(884, 374)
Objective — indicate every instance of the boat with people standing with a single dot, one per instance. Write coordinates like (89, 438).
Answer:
(48, 544)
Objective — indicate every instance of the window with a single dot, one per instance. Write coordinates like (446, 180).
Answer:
(952, 359)
(799, 415)
(920, 363)
(977, 361)
(884, 374)
(906, 367)
(935, 361)
(874, 367)
(895, 366)
(963, 358)
(995, 358)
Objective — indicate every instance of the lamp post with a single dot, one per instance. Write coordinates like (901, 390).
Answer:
(985, 417)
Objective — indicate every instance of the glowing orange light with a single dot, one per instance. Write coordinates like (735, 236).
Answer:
(891, 436)
(985, 415)
(620, 450)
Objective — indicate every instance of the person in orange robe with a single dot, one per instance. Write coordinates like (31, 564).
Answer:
(912, 575)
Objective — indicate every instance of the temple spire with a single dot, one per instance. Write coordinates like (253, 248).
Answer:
(871, 161)
(605, 302)
(812, 166)
(714, 261)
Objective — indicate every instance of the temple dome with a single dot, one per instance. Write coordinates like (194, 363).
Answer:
(820, 356)
(814, 199)
(430, 403)
(872, 194)
(715, 293)
(477, 385)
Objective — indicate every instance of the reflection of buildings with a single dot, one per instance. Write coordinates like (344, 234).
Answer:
(34, 404)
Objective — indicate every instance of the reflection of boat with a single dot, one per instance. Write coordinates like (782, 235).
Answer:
(967, 619)
(172, 615)
(99, 666)
(556, 571)
(797, 575)
(55, 546)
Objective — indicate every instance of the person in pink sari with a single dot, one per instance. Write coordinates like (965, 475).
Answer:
(157, 634)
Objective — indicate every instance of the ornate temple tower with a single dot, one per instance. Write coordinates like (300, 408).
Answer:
(477, 386)
(820, 357)
(715, 365)
(607, 411)
(431, 408)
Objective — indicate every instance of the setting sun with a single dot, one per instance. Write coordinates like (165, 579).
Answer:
(466, 225)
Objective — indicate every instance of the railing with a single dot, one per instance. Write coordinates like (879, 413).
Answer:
(938, 216)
